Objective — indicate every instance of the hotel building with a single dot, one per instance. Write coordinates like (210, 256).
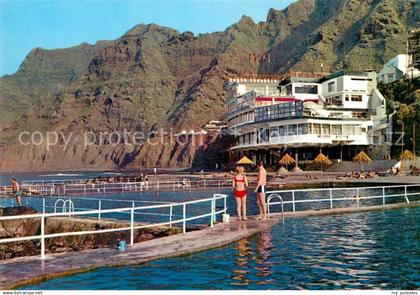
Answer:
(342, 113)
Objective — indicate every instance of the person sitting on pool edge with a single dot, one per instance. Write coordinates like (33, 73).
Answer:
(240, 184)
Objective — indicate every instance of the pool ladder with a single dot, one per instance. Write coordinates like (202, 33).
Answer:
(275, 196)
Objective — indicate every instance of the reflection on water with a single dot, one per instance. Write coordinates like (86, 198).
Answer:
(368, 250)
(242, 257)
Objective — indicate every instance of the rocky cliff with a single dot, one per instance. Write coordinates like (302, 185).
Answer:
(154, 77)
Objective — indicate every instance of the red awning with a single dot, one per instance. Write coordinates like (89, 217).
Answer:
(261, 98)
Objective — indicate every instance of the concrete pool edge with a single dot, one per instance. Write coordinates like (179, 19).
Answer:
(32, 277)
(206, 239)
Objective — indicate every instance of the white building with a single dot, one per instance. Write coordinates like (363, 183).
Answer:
(398, 68)
(303, 112)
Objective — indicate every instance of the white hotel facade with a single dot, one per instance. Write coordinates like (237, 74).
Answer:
(342, 113)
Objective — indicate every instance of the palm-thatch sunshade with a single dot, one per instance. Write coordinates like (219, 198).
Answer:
(245, 161)
(407, 155)
(287, 160)
(361, 158)
(323, 160)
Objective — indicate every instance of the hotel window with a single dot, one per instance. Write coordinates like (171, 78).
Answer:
(359, 115)
(325, 129)
(331, 86)
(307, 89)
(303, 128)
(264, 135)
(289, 90)
(348, 129)
(337, 101)
(291, 130)
(356, 98)
(336, 129)
(281, 130)
(274, 132)
(316, 129)
(347, 98)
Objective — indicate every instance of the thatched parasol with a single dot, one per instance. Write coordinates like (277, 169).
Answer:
(362, 158)
(244, 161)
(322, 160)
(287, 160)
(407, 155)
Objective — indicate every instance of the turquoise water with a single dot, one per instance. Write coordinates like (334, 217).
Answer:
(352, 251)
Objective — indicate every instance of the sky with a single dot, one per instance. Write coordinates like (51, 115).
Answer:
(26, 24)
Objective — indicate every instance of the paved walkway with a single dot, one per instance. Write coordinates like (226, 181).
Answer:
(26, 270)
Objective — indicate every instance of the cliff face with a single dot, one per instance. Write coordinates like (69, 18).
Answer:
(158, 78)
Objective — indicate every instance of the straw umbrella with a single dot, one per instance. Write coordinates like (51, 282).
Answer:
(322, 160)
(361, 158)
(244, 161)
(407, 156)
(287, 160)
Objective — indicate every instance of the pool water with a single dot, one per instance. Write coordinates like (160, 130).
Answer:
(370, 250)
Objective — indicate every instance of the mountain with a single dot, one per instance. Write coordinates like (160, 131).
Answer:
(159, 78)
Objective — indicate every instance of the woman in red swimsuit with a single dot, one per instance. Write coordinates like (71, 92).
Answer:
(240, 184)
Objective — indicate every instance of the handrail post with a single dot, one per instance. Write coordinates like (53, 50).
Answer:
(84, 189)
(43, 205)
(170, 215)
(214, 208)
(405, 194)
(225, 204)
(331, 199)
(357, 197)
(383, 195)
(212, 212)
(99, 208)
(42, 237)
(293, 200)
(184, 210)
(132, 227)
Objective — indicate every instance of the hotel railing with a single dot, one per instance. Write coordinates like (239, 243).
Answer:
(356, 195)
(212, 213)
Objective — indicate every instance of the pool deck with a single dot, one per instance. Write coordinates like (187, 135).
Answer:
(26, 270)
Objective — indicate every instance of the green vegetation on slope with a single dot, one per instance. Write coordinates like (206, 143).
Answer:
(405, 94)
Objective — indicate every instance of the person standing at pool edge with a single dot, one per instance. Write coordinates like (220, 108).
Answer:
(17, 192)
(240, 184)
(260, 189)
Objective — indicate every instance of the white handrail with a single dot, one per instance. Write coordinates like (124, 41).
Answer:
(132, 210)
(331, 199)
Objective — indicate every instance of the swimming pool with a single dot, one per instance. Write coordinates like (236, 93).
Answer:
(367, 250)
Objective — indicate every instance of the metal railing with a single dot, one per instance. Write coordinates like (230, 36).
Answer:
(356, 195)
(132, 226)
(55, 188)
